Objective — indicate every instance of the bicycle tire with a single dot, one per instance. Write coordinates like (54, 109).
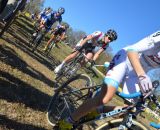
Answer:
(52, 45)
(74, 99)
(68, 67)
(37, 41)
(114, 124)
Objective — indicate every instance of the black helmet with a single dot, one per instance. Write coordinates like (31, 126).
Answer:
(49, 8)
(61, 10)
(66, 26)
(112, 34)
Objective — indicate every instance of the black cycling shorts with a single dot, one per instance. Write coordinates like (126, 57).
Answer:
(88, 48)
(60, 31)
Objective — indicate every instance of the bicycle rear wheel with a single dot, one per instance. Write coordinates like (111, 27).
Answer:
(68, 97)
(48, 50)
(114, 124)
(37, 41)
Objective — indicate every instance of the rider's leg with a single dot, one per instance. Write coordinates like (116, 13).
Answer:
(66, 60)
(104, 97)
(37, 30)
(89, 56)
(49, 42)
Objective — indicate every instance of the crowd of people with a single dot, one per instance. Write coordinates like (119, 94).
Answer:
(134, 61)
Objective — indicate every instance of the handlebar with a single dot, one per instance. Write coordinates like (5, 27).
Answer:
(129, 96)
(138, 94)
(157, 126)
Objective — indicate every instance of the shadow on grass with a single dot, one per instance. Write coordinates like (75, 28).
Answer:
(11, 124)
(23, 20)
(20, 31)
(23, 26)
(13, 89)
(12, 58)
(25, 47)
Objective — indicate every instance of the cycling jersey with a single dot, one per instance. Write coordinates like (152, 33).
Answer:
(43, 13)
(120, 69)
(59, 30)
(51, 18)
(95, 42)
(149, 49)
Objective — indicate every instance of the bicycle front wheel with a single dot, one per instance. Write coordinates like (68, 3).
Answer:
(114, 125)
(37, 41)
(68, 97)
(48, 50)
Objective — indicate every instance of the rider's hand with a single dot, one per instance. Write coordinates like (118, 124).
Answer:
(145, 83)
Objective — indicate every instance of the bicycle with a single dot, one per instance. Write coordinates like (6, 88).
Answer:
(64, 104)
(36, 40)
(73, 83)
(71, 68)
(52, 45)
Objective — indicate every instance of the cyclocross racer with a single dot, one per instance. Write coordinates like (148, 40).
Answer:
(50, 19)
(89, 43)
(58, 31)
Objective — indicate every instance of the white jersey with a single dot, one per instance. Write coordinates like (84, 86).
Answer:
(149, 51)
(96, 41)
(120, 69)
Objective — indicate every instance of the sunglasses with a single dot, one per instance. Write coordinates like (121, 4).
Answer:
(109, 38)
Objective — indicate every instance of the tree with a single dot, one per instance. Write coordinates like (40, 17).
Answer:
(74, 36)
(34, 6)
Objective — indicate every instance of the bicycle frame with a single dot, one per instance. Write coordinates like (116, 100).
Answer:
(128, 109)
(68, 68)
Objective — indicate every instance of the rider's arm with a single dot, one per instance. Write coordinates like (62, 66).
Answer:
(63, 36)
(140, 47)
(134, 59)
(97, 54)
(89, 37)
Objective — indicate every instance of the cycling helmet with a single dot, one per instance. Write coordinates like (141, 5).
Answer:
(61, 10)
(112, 34)
(48, 8)
(66, 25)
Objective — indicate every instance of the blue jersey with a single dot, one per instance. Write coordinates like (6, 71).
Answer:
(43, 14)
(51, 18)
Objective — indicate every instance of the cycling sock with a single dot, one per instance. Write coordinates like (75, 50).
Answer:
(63, 62)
